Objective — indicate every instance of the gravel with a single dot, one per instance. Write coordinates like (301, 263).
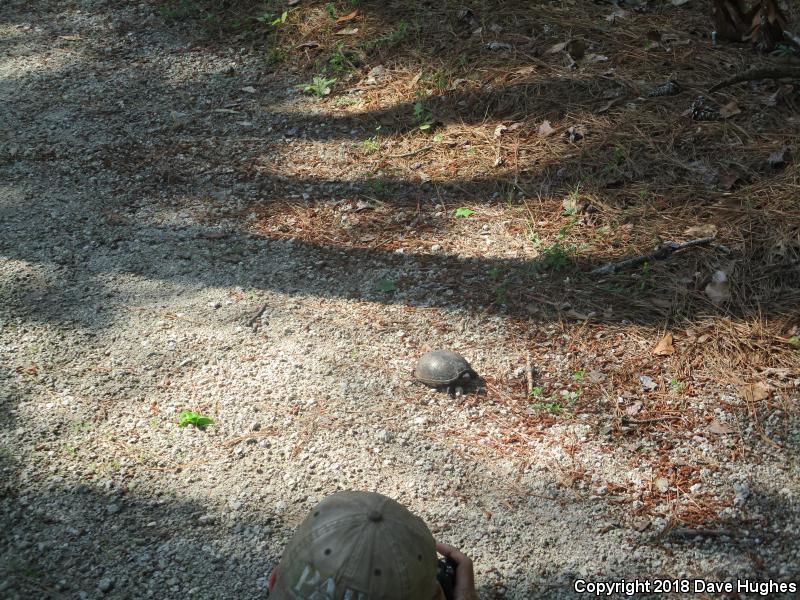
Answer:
(128, 287)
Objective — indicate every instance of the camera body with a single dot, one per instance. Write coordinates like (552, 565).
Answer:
(446, 576)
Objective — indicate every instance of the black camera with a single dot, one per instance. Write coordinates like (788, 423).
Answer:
(446, 576)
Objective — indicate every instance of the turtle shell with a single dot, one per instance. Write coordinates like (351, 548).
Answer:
(442, 367)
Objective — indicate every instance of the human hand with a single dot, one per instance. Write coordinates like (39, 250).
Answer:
(464, 588)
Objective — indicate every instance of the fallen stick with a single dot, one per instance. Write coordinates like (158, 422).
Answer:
(529, 374)
(663, 251)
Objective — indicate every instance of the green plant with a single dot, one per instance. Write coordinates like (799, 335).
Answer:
(464, 212)
(370, 145)
(676, 385)
(386, 286)
(275, 56)
(784, 50)
(319, 86)
(396, 35)
(578, 375)
(338, 61)
(422, 116)
(272, 19)
(345, 101)
(331, 10)
(177, 11)
(438, 137)
(70, 449)
(573, 201)
(189, 417)
(554, 408)
(494, 272)
(553, 258)
(536, 391)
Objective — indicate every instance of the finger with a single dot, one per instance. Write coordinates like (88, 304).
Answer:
(465, 576)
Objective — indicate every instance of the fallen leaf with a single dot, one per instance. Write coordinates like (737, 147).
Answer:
(595, 58)
(579, 316)
(349, 17)
(415, 80)
(647, 383)
(779, 158)
(728, 179)
(556, 48)
(633, 409)
(498, 131)
(595, 376)
(679, 2)
(729, 110)
(660, 302)
(719, 289)
(249, 89)
(347, 31)
(661, 484)
(707, 230)
(703, 338)
(719, 428)
(545, 129)
(70, 38)
(525, 70)
(664, 347)
(754, 392)
(616, 13)
(641, 524)
(609, 104)
(575, 133)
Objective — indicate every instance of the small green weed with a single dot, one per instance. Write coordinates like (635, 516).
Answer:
(189, 417)
(370, 145)
(494, 272)
(464, 212)
(422, 116)
(536, 392)
(272, 19)
(554, 258)
(554, 408)
(319, 86)
(389, 39)
(578, 376)
(338, 61)
(386, 286)
(331, 10)
(676, 385)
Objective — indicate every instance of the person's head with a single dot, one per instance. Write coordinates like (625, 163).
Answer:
(358, 546)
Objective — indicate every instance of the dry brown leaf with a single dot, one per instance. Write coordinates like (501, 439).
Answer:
(664, 347)
(754, 392)
(633, 409)
(729, 110)
(707, 230)
(415, 80)
(595, 376)
(719, 428)
(556, 48)
(348, 31)
(346, 18)
(545, 129)
(70, 38)
(719, 289)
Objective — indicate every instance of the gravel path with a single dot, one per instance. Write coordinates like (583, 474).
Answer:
(128, 287)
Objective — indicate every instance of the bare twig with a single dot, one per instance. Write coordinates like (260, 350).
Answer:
(529, 373)
(663, 251)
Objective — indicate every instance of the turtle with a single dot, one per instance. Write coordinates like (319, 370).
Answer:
(443, 369)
